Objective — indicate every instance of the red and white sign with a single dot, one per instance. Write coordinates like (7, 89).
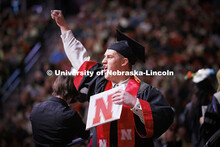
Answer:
(102, 109)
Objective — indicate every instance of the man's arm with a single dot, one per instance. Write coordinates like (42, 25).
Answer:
(154, 113)
(58, 17)
(158, 114)
(74, 50)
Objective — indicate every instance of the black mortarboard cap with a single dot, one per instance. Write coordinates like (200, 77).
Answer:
(128, 47)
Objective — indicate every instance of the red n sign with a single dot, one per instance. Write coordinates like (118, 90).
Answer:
(106, 111)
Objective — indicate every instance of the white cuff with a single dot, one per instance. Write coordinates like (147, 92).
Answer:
(138, 110)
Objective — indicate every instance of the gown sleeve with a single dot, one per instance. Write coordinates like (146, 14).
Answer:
(157, 113)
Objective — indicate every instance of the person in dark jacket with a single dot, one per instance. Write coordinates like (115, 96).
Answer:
(211, 126)
(53, 122)
(203, 91)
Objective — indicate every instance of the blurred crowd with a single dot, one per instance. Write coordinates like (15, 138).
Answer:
(178, 35)
(18, 33)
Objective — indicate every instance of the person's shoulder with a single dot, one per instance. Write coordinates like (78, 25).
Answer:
(144, 85)
(147, 87)
(90, 63)
(92, 66)
(39, 105)
(148, 90)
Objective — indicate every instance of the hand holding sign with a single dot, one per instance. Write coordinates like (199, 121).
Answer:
(124, 97)
(102, 109)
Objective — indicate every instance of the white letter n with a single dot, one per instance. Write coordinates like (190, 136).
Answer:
(126, 134)
(102, 142)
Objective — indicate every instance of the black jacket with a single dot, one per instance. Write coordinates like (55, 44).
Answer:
(55, 124)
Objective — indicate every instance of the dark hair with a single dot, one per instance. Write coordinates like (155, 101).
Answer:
(64, 87)
(206, 86)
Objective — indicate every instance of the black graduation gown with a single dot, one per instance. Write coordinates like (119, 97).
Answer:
(161, 112)
(211, 122)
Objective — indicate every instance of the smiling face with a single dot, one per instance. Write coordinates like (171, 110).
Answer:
(112, 61)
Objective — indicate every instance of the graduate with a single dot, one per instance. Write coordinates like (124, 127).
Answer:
(145, 113)
(210, 127)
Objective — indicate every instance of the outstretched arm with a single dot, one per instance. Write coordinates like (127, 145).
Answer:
(74, 49)
(59, 18)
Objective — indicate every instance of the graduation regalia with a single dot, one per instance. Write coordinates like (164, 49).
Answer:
(211, 122)
(157, 113)
(129, 129)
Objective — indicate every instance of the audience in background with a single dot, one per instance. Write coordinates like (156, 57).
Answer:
(18, 34)
(180, 36)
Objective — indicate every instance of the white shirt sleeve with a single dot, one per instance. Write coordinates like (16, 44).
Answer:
(138, 110)
(74, 50)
